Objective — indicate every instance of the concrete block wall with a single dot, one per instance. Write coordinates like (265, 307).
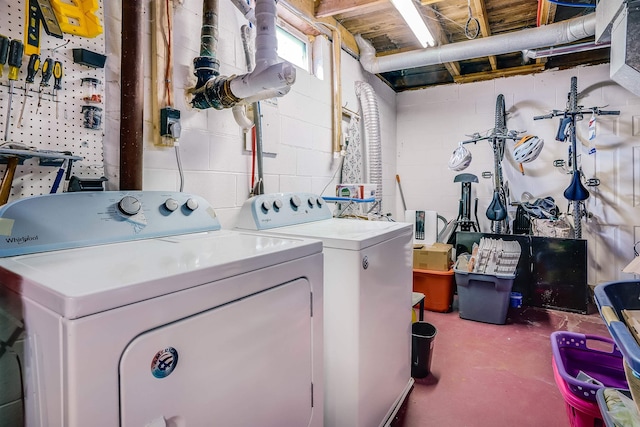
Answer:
(432, 121)
(216, 165)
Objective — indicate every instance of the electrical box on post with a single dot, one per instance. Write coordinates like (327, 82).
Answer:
(168, 118)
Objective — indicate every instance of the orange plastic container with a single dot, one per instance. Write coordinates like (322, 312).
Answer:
(437, 286)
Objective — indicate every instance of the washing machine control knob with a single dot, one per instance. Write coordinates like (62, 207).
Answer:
(311, 202)
(192, 204)
(320, 202)
(295, 201)
(277, 204)
(129, 205)
(266, 205)
(171, 204)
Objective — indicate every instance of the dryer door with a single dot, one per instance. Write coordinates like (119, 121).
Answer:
(246, 363)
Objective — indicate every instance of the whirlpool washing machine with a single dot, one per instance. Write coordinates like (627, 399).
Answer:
(136, 309)
(367, 303)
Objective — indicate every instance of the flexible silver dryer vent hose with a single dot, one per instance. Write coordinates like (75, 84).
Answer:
(371, 118)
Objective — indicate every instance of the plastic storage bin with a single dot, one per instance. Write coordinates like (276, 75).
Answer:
(572, 354)
(604, 409)
(483, 297)
(612, 298)
(437, 286)
(581, 413)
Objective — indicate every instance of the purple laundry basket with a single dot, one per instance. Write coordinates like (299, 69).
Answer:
(572, 355)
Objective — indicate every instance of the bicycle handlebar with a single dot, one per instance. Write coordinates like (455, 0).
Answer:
(546, 116)
(511, 135)
(596, 110)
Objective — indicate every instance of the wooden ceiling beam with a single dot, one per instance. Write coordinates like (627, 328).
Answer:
(547, 13)
(300, 14)
(326, 8)
(505, 72)
(441, 39)
(485, 29)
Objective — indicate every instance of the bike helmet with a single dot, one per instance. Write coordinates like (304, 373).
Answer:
(527, 149)
(460, 159)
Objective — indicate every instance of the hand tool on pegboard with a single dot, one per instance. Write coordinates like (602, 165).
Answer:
(47, 71)
(16, 48)
(4, 51)
(32, 69)
(57, 82)
(7, 179)
(49, 19)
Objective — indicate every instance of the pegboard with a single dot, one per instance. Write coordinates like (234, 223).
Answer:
(51, 128)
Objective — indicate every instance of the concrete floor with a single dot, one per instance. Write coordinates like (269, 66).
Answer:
(494, 375)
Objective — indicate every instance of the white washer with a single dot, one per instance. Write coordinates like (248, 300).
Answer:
(367, 303)
(137, 310)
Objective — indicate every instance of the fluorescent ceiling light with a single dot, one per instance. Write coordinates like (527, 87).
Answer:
(414, 20)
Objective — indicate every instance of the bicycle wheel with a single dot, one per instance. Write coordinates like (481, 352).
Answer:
(498, 154)
(573, 108)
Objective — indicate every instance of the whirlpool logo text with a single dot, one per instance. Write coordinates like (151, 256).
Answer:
(20, 240)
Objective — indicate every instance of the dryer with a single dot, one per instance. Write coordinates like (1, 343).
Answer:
(367, 303)
(136, 309)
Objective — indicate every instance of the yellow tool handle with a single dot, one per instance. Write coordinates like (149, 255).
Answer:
(7, 179)
(16, 49)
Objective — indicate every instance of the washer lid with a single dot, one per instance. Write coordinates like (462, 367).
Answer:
(83, 281)
(350, 234)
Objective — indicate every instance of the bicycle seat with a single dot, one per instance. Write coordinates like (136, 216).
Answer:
(465, 177)
(576, 191)
(496, 210)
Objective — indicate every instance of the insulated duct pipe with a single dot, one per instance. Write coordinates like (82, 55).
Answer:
(269, 78)
(548, 35)
(367, 97)
(131, 96)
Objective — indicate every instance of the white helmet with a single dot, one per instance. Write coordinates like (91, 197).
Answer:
(527, 149)
(460, 159)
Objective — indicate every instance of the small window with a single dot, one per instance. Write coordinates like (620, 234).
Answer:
(292, 47)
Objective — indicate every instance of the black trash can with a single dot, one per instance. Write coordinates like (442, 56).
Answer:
(422, 336)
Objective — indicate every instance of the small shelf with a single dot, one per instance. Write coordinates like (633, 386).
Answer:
(348, 199)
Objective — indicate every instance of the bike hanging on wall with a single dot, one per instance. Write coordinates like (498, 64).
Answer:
(576, 193)
(497, 137)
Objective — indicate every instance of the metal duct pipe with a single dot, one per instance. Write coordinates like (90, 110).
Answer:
(206, 66)
(369, 103)
(131, 96)
(548, 35)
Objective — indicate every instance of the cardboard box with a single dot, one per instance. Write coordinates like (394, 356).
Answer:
(435, 257)
(356, 191)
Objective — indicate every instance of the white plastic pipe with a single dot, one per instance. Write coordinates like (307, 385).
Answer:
(277, 76)
(547, 35)
(269, 74)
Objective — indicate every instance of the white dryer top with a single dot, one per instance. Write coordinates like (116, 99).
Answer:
(348, 234)
(83, 281)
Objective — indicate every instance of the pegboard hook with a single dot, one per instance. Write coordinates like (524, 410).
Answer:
(61, 46)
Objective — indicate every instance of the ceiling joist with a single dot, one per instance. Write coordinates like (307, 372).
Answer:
(506, 72)
(327, 8)
(485, 30)
(441, 38)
